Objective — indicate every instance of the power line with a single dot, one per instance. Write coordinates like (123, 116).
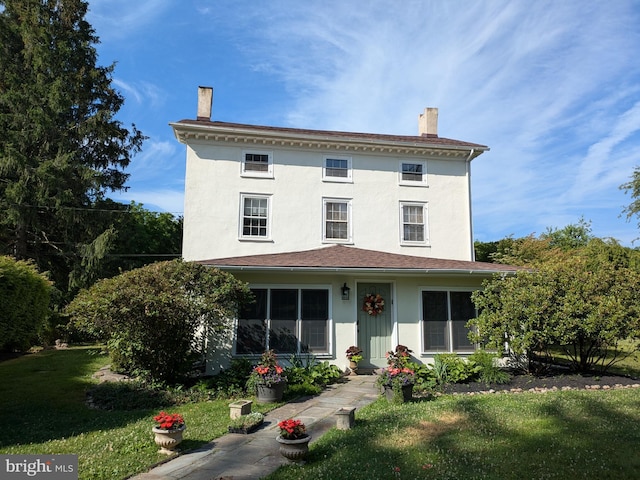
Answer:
(86, 209)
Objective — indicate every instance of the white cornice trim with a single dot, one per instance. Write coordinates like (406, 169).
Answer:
(189, 133)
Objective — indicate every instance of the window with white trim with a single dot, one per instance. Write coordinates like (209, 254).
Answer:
(413, 173)
(257, 164)
(336, 169)
(287, 320)
(445, 314)
(254, 217)
(336, 220)
(413, 223)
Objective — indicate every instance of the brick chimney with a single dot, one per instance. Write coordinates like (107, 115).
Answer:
(205, 101)
(428, 122)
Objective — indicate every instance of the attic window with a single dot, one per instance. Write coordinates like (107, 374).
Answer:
(336, 169)
(413, 173)
(257, 164)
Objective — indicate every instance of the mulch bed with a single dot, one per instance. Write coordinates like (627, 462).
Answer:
(544, 383)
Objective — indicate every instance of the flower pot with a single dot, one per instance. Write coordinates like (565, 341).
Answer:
(353, 366)
(168, 440)
(294, 450)
(270, 394)
(407, 393)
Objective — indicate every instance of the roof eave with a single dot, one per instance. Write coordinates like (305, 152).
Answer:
(360, 270)
(208, 132)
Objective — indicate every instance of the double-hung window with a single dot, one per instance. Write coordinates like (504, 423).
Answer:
(413, 221)
(285, 319)
(257, 164)
(413, 173)
(336, 220)
(254, 217)
(336, 169)
(445, 314)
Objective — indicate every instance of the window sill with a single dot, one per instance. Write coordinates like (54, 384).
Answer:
(341, 242)
(413, 184)
(336, 180)
(258, 240)
(257, 175)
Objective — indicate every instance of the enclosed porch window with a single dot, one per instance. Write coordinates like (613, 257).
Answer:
(287, 320)
(444, 318)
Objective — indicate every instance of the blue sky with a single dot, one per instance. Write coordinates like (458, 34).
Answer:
(552, 87)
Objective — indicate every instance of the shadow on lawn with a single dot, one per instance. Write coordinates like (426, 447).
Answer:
(562, 435)
(44, 395)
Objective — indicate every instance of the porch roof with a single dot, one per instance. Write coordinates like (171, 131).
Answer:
(345, 258)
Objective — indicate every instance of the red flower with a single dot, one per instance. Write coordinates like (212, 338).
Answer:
(169, 421)
(292, 429)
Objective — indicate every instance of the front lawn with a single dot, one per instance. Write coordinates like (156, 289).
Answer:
(42, 397)
(562, 435)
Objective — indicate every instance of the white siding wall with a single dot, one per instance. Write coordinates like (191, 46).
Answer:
(214, 183)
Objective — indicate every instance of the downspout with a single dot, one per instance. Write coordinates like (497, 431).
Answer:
(468, 171)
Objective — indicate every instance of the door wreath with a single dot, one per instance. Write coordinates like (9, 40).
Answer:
(373, 304)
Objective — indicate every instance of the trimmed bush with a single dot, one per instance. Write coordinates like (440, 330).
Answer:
(24, 304)
(155, 318)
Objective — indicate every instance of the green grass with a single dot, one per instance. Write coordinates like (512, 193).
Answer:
(628, 362)
(42, 397)
(564, 435)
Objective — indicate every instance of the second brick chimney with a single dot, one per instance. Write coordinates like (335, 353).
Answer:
(428, 122)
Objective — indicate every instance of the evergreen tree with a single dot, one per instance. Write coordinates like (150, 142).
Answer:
(61, 148)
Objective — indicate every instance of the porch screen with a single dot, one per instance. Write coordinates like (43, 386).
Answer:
(435, 315)
(287, 320)
(284, 314)
(251, 335)
(445, 315)
(315, 320)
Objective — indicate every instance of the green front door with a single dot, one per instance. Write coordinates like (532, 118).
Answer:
(374, 331)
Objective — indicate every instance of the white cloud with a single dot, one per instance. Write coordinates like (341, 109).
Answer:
(141, 91)
(116, 19)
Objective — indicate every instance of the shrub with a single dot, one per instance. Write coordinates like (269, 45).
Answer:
(450, 368)
(425, 378)
(585, 303)
(488, 372)
(24, 308)
(155, 318)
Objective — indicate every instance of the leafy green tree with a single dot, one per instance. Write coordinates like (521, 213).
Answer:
(61, 149)
(570, 237)
(484, 251)
(632, 187)
(143, 237)
(24, 304)
(157, 319)
(577, 301)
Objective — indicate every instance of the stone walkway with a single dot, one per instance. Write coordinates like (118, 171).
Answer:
(253, 456)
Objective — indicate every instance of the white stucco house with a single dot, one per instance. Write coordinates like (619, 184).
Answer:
(317, 221)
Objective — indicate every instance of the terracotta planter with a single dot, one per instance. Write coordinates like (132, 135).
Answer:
(270, 394)
(294, 450)
(353, 366)
(407, 393)
(168, 440)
